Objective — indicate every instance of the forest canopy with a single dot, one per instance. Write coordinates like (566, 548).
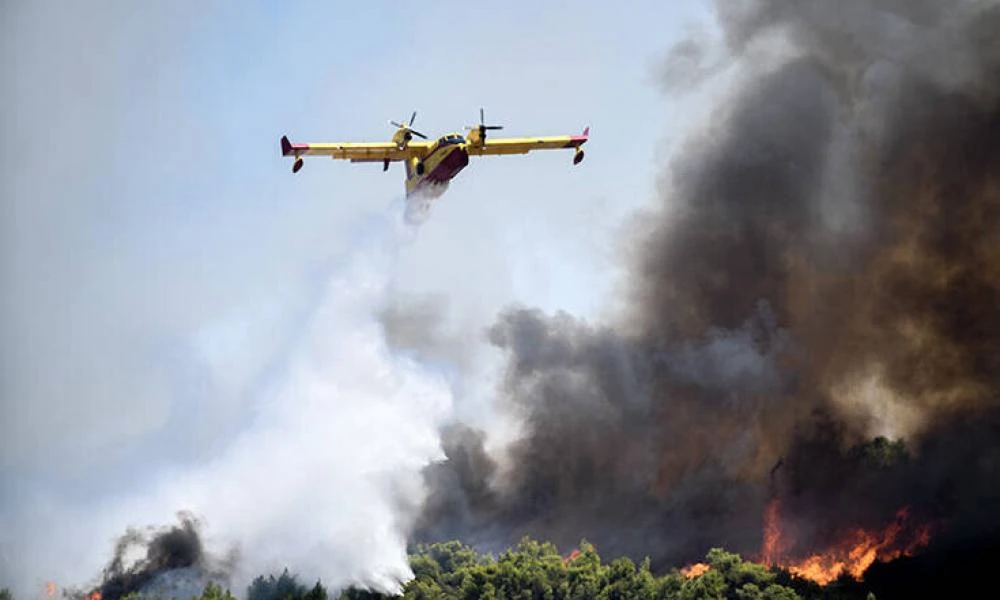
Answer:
(535, 570)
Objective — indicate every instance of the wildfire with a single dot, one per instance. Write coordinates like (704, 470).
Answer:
(852, 554)
(695, 570)
(769, 551)
(94, 595)
(50, 589)
(572, 556)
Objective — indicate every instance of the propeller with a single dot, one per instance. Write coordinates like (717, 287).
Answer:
(408, 127)
(483, 127)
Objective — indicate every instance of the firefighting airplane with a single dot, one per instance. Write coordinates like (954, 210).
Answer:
(431, 165)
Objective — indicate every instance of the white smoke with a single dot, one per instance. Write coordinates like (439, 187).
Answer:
(325, 478)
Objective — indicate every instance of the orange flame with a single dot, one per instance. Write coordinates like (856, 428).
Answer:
(695, 570)
(572, 556)
(770, 547)
(851, 555)
(50, 589)
(94, 595)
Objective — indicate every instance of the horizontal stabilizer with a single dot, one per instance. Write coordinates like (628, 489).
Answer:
(290, 149)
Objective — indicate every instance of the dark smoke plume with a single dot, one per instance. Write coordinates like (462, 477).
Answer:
(174, 563)
(824, 268)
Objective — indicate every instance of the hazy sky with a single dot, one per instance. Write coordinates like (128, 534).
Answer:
(160, 262)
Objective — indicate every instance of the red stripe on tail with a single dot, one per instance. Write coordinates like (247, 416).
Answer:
(290, 149)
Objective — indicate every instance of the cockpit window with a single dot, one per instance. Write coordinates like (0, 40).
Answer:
(451, 139)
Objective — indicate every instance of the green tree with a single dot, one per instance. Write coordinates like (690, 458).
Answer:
(744, 579)
(214, 591)
(644, 583)
(533, 570)
(425, 568)
(359, 594)
(780, 592)
(421, 589)
(284, 587)
(584, 573)
(749, 591)
(530, 570)
(489, 592)
(5, 594)
(709, 586)
(738, 572)
(318, 592)
(452, 556)
(669, 586)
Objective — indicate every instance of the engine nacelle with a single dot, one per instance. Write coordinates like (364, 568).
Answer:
(578, 156)
(476, 136)
(401, 138)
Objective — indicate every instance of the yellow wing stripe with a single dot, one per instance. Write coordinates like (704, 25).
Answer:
(366, 151)
(525, 145)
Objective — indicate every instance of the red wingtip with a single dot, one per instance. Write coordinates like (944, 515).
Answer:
(586, 132)
(286, 146)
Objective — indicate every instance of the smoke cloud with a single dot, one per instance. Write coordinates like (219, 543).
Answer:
(324, 479)
(172, 563)
(820, 271)
(327, 479)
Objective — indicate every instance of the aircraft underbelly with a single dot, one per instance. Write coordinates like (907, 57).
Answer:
(448, 167)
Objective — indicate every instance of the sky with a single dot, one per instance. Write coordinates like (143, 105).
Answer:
(166, 277)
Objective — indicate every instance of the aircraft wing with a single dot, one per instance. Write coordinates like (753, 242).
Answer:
(355, 151)
(527, 144)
